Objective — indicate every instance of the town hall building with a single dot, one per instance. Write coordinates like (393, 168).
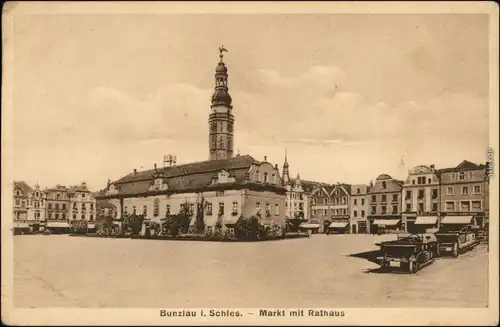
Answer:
(230, 186)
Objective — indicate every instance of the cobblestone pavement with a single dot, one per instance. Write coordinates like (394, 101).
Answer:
(321, 271)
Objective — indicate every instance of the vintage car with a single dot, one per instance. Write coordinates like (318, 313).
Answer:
(456, 241)
(409, 253)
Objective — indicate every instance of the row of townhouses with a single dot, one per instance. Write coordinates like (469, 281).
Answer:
(232, 186)
(36, 209)
(427, 197)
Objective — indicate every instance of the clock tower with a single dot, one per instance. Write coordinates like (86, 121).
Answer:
(221, 119)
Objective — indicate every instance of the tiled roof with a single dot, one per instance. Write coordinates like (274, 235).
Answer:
(25, 188)
(192, 168)
(60, 188)
(347, 187)
(329, 188)
(193, 176)
(392, 185)
(463, 166)
(307, 185)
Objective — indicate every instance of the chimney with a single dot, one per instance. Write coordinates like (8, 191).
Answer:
(265, 158)
(155, 166)
(135, 171)
(433, 166)
(276, 166)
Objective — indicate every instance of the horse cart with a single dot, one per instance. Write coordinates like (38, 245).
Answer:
(409, 253)
(455, 242)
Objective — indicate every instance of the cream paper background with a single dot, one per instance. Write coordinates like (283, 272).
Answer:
(425, 316)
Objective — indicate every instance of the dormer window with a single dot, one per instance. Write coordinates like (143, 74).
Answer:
(158, 183)
(384, 185)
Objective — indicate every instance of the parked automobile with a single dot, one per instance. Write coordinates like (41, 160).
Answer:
(455, 241)
(408, 253)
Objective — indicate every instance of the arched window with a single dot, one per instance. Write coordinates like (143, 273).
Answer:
(221, 142)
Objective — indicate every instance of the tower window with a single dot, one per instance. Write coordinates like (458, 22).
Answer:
(221, 142)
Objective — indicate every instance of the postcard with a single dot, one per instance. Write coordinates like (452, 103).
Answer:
(250, 163)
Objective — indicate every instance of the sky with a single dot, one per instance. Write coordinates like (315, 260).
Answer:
(350, 96)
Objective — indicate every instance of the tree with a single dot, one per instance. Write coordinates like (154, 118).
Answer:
(200, 217)
(79, 226)
(293, 224)
(132, 224)
(184, 218)
(249, 229)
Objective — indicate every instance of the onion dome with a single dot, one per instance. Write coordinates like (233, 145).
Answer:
(221, 96)
(221, 68)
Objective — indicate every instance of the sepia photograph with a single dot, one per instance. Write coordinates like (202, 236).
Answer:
(249, 163)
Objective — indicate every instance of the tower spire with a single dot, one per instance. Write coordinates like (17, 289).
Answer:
(286, 173)
(221, 120)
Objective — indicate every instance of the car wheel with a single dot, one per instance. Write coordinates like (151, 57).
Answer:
(455, 250)
(411, 267)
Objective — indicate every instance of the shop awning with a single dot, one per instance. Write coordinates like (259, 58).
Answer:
(57, 224)
(386, 222)
(459, 220)
(21, 225)
(426, 220)
(338, 224)
(305, 225)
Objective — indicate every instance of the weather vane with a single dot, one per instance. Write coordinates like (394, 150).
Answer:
(221, 50)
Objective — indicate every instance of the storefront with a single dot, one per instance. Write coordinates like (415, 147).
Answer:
(456, 222)
(424, 223)
(311, 228)
(338, 227)
(21, 228)
(386, 226)
(58, 227)
(362, 227)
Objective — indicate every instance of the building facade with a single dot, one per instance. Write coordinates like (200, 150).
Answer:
(82, 205)
(421, 199)
(385, 205)
(464, 190)
(298, 194)
(359, 209)
(340, 208)
(21, 193)
(321, 204)
(229, 186)
(58, 204)
(29, 208)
